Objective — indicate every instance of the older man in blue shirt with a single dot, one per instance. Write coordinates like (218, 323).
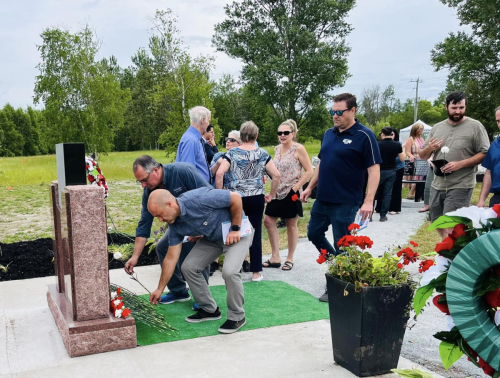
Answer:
(191, 147)
(178, 178)
(201, 212)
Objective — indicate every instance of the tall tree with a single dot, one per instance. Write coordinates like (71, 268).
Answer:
(11, 140)
(82, 96)
(473, 59)
(294, 51)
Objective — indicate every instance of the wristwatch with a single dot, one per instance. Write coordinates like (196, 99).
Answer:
(235, 227)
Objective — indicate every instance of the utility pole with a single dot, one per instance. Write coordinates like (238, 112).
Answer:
(416, 98)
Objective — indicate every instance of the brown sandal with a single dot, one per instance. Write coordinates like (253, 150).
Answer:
(288, 265)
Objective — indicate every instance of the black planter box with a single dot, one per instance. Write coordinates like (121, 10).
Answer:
(367, 327)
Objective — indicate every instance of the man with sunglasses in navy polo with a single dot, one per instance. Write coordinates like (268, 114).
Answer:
(349, 151)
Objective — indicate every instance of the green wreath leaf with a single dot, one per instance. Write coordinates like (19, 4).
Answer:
(449, 353)
(446, 221)
(421, 297)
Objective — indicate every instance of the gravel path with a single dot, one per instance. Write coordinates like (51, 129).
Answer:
(419, 346)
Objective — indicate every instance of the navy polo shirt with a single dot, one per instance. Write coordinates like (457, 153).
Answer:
(178, 178)
(345, 157)
(492, 162)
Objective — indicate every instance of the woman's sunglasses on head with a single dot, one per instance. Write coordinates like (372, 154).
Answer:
(338, 112)
(232, 140)
(280, 133)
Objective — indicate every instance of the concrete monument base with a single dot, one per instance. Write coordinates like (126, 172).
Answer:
(82, 338)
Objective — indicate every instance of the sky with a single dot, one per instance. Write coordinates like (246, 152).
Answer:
(391, 40)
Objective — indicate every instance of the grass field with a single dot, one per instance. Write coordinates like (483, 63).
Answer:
(25, 204)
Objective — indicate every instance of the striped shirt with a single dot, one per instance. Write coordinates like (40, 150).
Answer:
(345, 157)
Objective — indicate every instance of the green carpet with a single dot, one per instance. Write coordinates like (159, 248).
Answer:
(267, 304)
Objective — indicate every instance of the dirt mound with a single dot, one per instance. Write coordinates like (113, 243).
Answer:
(32, 259)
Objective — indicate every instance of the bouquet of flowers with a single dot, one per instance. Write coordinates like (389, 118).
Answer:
(94, 174)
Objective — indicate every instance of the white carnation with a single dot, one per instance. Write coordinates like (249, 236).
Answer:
(113, 294)
(497, 317)
(117, 302)
(117, 256)
(118, 313)
(478, 215)
(445, 150)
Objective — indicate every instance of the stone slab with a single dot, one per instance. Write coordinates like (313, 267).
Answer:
(90, 337)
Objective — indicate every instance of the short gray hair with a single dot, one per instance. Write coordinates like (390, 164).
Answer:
(236, 134)
(248, 132)
(146, 162)
(498, 108)
(198, 113)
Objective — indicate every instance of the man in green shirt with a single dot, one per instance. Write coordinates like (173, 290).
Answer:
(467, 142)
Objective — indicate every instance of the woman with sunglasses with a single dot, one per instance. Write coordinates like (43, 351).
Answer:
(246, 165)
(291, 159)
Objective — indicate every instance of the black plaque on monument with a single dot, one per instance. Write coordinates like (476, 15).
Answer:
(71, 170)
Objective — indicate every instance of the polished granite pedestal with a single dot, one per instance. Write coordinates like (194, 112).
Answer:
(80, 298)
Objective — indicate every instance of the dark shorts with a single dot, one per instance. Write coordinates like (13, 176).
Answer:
(443, 201)
(285, 208)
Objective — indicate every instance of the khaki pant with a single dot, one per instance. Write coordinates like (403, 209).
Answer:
(202, 254)
(445, 201)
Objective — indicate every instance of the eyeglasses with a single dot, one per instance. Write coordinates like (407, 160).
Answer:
(338, 112)
(232, 140)
(144, 181)
(280, 133)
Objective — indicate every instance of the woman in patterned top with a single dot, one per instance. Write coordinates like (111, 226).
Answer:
(247, 165)
(291, 159)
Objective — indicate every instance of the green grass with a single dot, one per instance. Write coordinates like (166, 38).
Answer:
(25, 209)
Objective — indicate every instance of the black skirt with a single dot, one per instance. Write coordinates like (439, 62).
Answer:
(286, 207)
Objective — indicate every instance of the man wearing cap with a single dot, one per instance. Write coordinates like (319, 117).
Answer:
(389, 152)
(202, 212)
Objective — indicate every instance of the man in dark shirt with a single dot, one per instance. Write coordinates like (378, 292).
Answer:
(177, 178)
(210, 147)
(348, 152)
(389, 151)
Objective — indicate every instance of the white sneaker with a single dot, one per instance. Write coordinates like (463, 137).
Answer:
(260, 278)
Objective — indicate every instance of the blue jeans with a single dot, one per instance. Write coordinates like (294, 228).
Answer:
(384, 190)
(324, 214)
(177, 284)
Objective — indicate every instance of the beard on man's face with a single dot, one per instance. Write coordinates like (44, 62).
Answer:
(456, 117)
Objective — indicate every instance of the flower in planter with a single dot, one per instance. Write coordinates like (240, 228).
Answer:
(353, 226)
(425, 265)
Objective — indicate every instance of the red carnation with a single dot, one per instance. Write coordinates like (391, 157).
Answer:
(323, 251)
(295, 197)
(91, 178)
(486, 368)
(446, 244)
(425, 265)
(493, 298)
(126, 313)
(458, 230)
(443, 307)
(353, 226)
(413, 243)
(400, 266)
(118, 291)
(321, 259)
(496, 209)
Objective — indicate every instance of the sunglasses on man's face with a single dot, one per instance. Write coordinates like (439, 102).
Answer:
(338, 112)
(232, 140)
(280, 133)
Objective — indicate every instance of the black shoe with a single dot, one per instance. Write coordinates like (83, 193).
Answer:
(203, 316)
(324, 297)
(214, 267)
(383, 219)
(246, 266)
(231, 326)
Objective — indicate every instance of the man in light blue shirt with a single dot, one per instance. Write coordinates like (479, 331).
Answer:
(191, 148)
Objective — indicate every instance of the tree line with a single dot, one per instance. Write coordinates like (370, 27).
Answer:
(294, 56)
